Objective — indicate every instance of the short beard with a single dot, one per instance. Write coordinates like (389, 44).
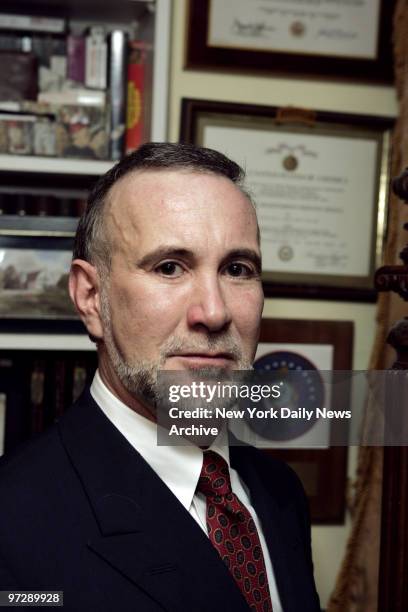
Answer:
(141, 377)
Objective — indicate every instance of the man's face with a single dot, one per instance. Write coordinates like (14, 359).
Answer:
(184, 289)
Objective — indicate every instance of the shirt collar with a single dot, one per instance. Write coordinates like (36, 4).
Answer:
(179, 467)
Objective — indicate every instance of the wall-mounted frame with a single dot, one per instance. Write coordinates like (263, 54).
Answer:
(346, 40)
(35, 257)
(320, 183)
(322, 471)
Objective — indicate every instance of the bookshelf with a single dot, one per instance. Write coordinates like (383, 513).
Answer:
(53, 165)
(45, 342)
(44, 362)
(147, 20)
(64, 177)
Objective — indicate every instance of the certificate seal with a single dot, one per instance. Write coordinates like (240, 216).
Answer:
(302, 388)
(285, 253)
(290, 163)
(297, 28)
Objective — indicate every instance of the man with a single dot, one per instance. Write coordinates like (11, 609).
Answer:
(165, 276)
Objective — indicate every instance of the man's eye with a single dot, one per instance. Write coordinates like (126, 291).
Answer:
(169, 268)
(240, 270)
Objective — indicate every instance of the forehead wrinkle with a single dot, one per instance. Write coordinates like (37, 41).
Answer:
(168, 198)
(121, 223)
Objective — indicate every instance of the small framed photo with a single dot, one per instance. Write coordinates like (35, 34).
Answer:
(35, 259)
(336, 40)
(288, 345)
(320, 184)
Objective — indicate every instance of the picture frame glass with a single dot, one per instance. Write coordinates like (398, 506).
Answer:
(320, 186)
(331, 40)
(33, 283)
(346, 30)
(35, 260)
(326, 346)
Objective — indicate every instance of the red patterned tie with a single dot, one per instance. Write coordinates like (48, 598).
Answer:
(233, 532)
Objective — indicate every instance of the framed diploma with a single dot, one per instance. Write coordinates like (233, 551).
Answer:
(319, 182)
(338, 40)
(287, 344)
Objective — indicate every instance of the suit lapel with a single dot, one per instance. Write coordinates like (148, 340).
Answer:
(142, 529)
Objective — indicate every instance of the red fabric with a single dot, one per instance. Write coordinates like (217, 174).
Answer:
(233, 533)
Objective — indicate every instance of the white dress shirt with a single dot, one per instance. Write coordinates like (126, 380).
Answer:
(179, 467)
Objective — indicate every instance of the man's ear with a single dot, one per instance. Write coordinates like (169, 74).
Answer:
(84, 289)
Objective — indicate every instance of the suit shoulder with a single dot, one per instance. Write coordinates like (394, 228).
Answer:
(43, 455)
(33, 461)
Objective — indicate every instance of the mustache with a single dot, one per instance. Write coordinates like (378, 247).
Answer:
(220, 344)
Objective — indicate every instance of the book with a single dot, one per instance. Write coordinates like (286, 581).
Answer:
(117, 92)
(60, 387)
(79, 380)
(96, 52)
(15, 383)
(31, 22)
(76, 58)
(65, 207)
(37, 396)
(3, 399)
(11, 42)
(23, 204)
(46, 46)
(44, 206)
(135, 111)
(4, 201)
(18, 76)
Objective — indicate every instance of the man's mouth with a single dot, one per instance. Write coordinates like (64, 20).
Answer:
(204, 359)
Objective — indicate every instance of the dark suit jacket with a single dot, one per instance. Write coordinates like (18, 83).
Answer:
(82, 512)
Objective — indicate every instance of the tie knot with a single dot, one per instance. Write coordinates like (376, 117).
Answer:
(214, 478)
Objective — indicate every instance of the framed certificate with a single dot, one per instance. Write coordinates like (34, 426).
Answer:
(320, 184)
(321, 345)
(333, 39)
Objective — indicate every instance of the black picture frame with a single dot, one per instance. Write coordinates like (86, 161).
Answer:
(323, 472)
(201, 56)
(30, 300)
(198, 114)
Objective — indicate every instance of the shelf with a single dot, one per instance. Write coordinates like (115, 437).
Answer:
(154, 19)
(27, 225)
(91, 9)
(46, 342)
(53, 165)
(73, 177)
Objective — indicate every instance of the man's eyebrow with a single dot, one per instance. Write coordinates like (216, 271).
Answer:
(248, 254)
(164, 252)
(169, 252)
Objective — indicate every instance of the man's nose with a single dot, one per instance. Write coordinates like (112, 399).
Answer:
(208, 306)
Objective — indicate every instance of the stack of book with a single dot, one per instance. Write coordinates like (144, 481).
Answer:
(71, 93)
(23, 204)
(36, 390)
